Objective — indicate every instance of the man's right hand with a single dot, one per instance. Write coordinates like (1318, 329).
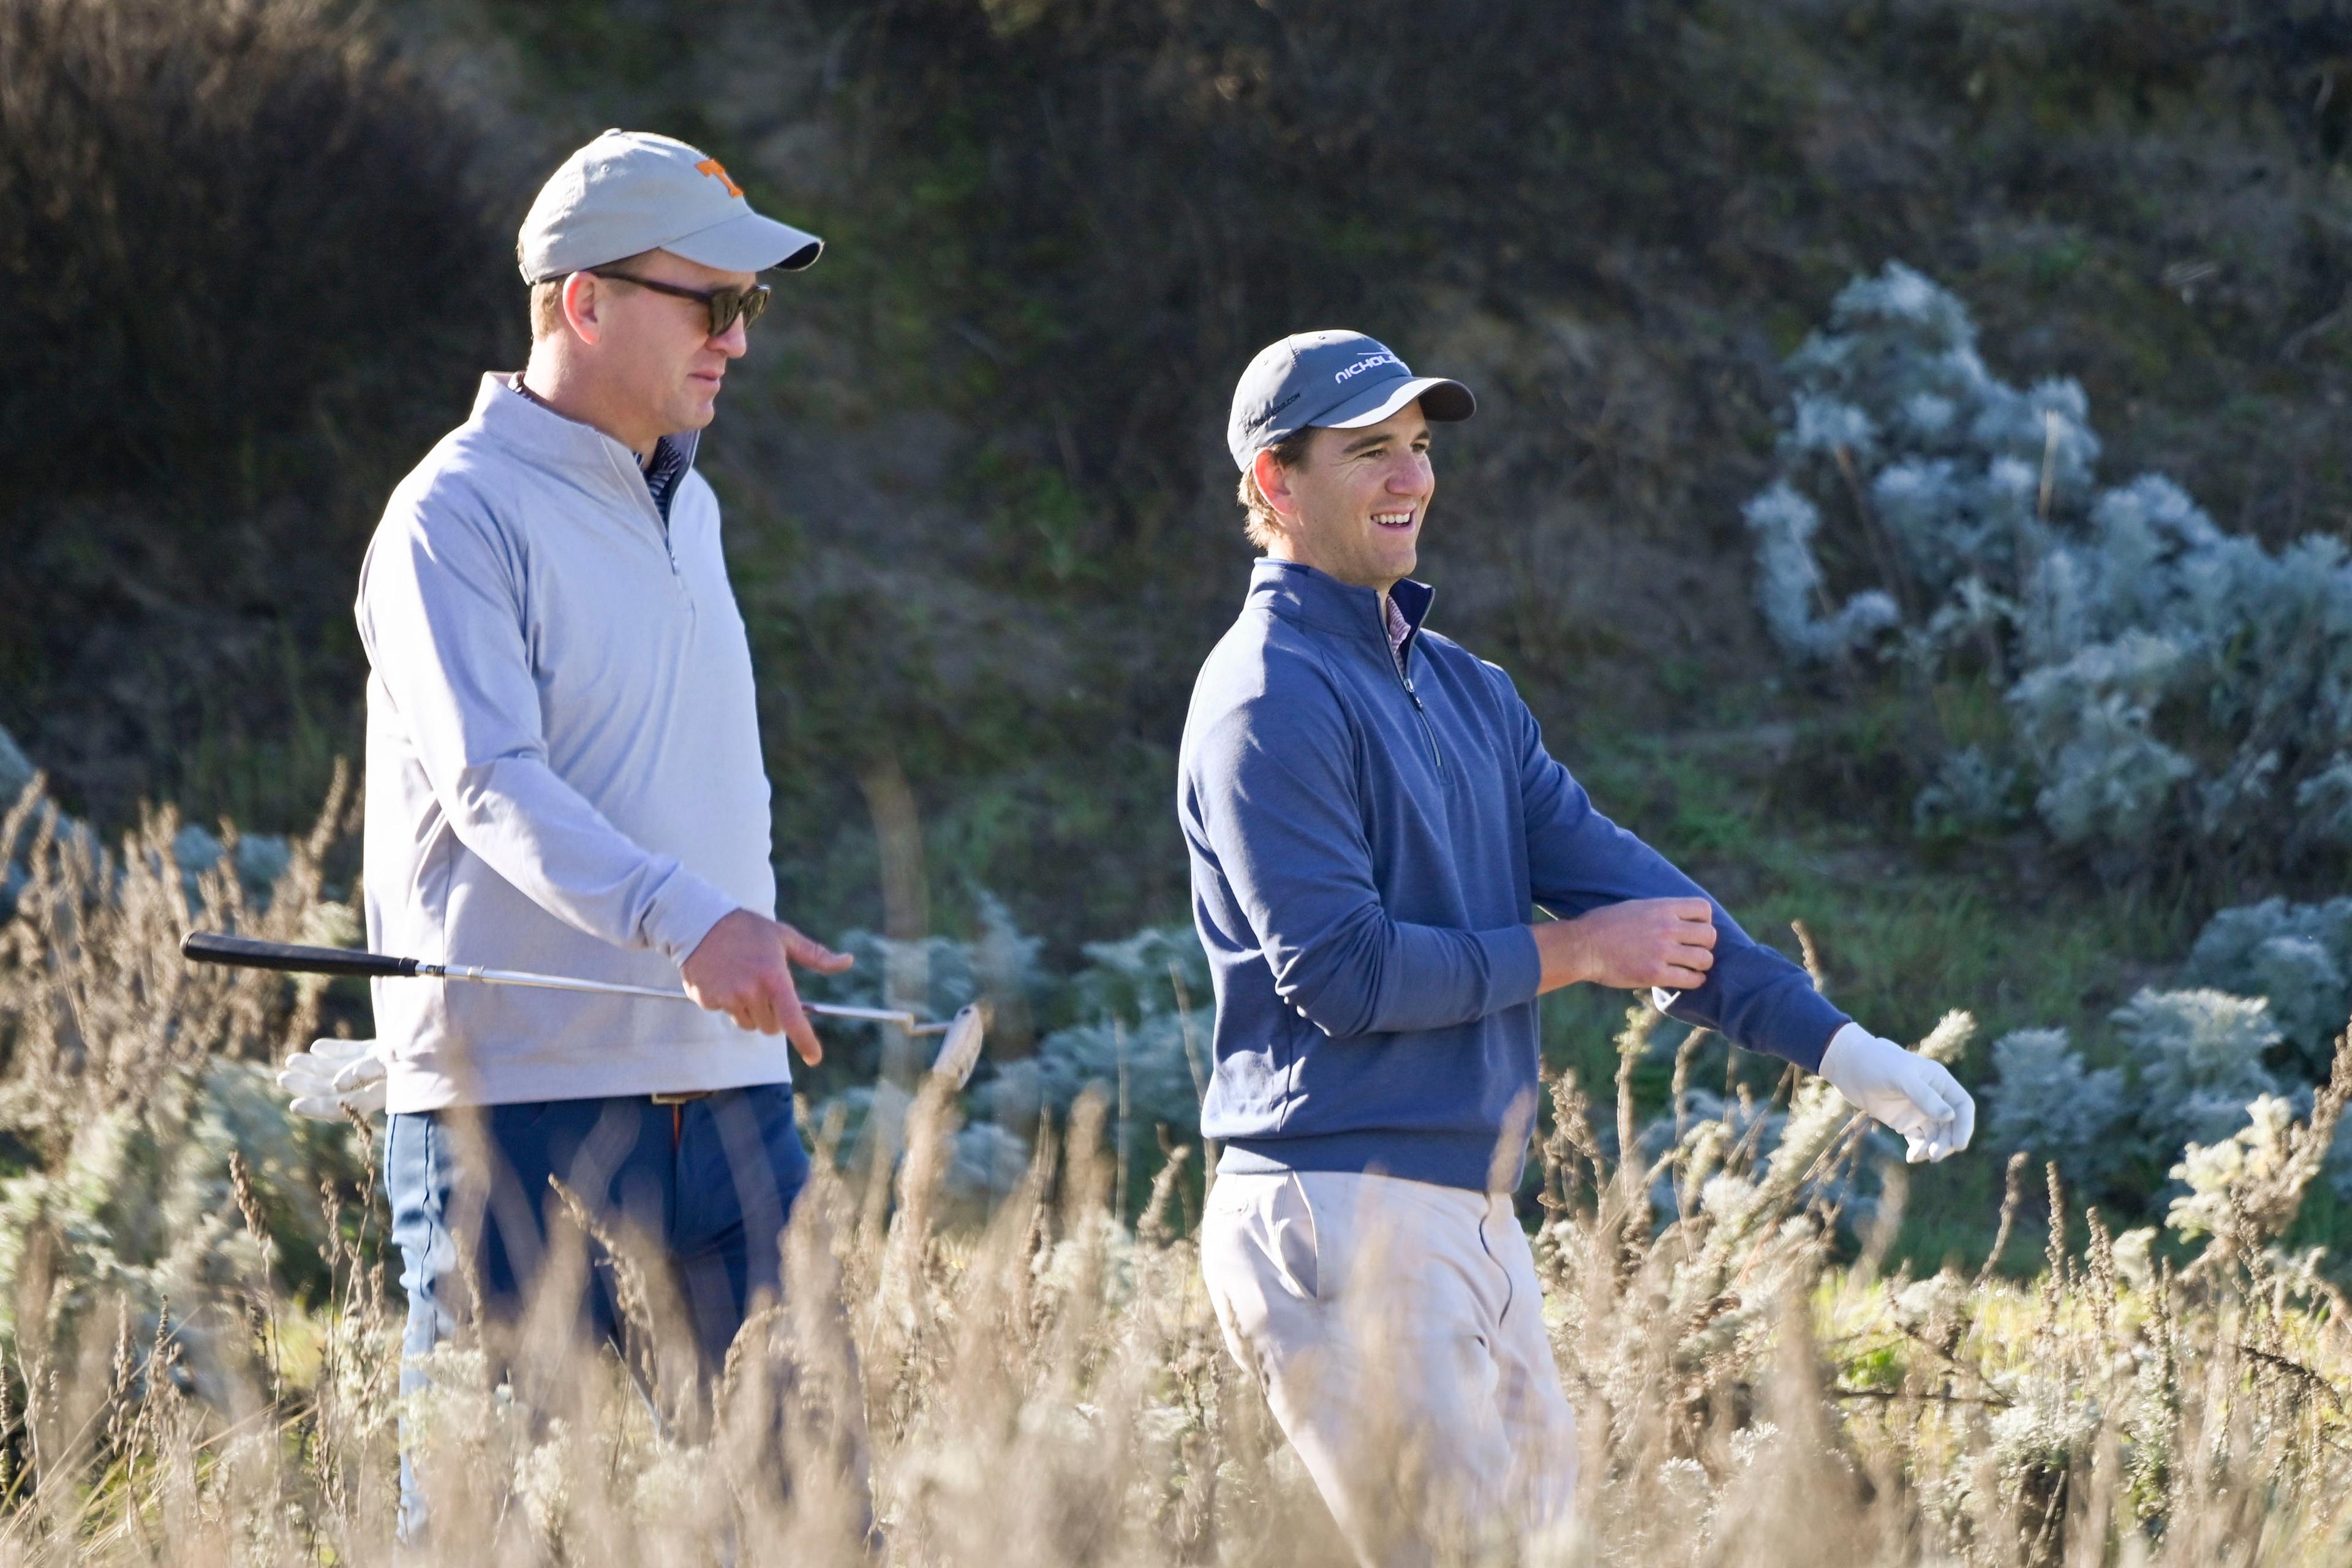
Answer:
(1631, 946)
(743, 969)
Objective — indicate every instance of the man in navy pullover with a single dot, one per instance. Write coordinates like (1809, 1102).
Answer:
(1371, 817)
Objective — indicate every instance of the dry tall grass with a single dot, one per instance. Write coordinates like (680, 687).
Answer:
(200, 1346)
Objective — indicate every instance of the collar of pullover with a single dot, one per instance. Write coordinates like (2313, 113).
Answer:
(1319, 600)
(531, 425)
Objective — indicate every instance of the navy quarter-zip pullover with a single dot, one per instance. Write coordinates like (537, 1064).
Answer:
(1369, 836)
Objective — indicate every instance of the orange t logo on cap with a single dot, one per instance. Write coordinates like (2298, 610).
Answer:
(712, 167)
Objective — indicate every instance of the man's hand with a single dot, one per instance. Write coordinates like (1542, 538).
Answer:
(1903, 1089)
(1631, 946)
(743, 969)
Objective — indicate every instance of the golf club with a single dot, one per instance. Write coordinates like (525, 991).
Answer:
(959, 1052)
(251, 953)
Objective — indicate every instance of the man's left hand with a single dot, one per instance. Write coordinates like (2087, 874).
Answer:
(1902, 1090)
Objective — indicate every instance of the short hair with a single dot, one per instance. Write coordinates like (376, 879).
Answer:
(1289, 452)
(547, 294)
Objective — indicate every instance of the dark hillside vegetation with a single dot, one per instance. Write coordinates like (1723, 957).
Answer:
(978, 500)
(1064, 226)
(244, 278)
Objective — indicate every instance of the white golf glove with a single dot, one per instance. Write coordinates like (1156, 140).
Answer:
(332, 1074)
(1903, 1090)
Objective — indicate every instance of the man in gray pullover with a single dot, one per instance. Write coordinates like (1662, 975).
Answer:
(564, 774)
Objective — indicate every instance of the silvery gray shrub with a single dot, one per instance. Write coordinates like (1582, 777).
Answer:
(259, 858)
(2193, 1063)
(1138, 1033)
(2297, 956)
(143, 1199)
(2199, 1060)
(2196, 1061)
(2166, 682)
(2050, 1100)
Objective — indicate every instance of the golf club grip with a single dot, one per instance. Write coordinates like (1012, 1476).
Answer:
(250, 953)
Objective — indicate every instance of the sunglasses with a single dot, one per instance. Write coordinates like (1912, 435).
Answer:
(724, 304)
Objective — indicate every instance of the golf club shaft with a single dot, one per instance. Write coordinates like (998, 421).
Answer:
(904, 1020)
(250, 953)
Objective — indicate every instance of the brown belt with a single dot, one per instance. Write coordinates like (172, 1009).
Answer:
(676, 1102)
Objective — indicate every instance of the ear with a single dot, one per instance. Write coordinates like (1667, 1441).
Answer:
(1274, 483)
(582, 301)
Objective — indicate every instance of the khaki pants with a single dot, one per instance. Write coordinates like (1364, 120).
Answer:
(1397, 1330)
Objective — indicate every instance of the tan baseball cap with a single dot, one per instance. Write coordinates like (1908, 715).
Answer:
(630, 191)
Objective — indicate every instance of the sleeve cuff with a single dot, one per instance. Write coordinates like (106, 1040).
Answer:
(1513, 967)
(1811, 1023)
(684, 913)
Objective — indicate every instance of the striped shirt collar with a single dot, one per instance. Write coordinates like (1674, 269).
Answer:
(1397, 626)
(664, 470)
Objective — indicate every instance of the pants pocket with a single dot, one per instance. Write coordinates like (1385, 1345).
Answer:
(1259, 1222)
(1293, 1240)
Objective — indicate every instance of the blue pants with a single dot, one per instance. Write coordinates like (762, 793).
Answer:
(712, 1179)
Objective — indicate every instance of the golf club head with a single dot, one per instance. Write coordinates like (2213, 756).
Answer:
(959, 1052)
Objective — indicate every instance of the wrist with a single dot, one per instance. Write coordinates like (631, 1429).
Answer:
(1565, 954)
(1849, 1039)
(718, 939)
(684, 914)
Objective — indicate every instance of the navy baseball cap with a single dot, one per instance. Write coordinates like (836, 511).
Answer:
(1333, 380)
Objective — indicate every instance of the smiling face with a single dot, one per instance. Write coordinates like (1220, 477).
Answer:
(1353, 508)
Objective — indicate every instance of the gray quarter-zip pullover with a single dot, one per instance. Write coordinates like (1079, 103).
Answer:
(563, 766)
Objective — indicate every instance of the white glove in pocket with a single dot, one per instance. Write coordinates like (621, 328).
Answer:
(333, 1075)
(1903, 1090)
